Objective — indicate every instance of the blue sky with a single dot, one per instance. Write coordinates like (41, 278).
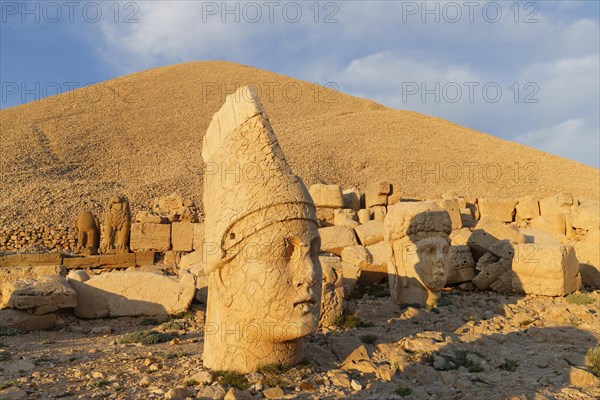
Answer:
(520, 70)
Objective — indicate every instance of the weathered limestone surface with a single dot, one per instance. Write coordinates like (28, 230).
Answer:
(528, 207)
(460, 265)
(453, 208)
(345, 217)
(182, 236)
(376, 272)
(488, 232)
(8, 276)
(417, 235)
(325, 216)
(332, 298)
(370, 233)
(111, 261)
(117, 226)
(377, 194)
(335, 238)
(88, 234)
(502, 210)
(146, 236)
(264, 280)
(128, 294)
(28, 260)
(364, 216)
(586, 215)
(350, 276)
(328, 196)
(42, 295)
(198, 236)
(546, 267)
(175, 208)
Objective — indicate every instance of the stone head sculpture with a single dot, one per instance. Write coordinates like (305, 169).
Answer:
(417, 233)
(261, 244)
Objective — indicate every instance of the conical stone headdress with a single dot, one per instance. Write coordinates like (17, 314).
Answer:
(248, 185)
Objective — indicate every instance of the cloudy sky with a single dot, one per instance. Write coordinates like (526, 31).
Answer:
(520, 70)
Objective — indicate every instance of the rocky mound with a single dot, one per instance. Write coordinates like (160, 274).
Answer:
(141, 136)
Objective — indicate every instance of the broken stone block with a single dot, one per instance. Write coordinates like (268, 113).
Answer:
(460, 237)
(351, 198)
(175, 208)
(8, 276)
(586, 216)
(198, 236)
(378, 213)
(24, 321)
(528, 207)
(494, 273)
(588, 254)
(395, 196)
(377, 271)
(502, 210)
(335, 238)
(325, 216)
(78, 276)
(182, 236)
(488, 232)
(359, 360)
(43, 295)
(328, 196)
(552, 223)
(130, 294)
(345, 217)
(460, 264)
(377, 194)
(453, 209)
(151, 237)
(546, 268)
(149, 217)
(364, 216)
(357, 256)
(350, 276)
(370, 232)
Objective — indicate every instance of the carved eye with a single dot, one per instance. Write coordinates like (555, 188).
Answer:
(288, 248)
(232, 236)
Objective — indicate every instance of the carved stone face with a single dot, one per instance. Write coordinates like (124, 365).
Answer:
(431, 268)
(423, 260)
(273, 284)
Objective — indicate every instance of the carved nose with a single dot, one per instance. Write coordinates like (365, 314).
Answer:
(303, 273)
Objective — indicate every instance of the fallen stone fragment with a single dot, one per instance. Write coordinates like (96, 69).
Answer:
(127, 294)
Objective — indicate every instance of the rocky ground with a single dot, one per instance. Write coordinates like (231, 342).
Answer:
(472, 346)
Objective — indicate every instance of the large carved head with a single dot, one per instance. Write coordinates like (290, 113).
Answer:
(261, 238)
(418, 235)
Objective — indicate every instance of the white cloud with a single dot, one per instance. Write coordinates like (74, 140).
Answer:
(573, 139)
